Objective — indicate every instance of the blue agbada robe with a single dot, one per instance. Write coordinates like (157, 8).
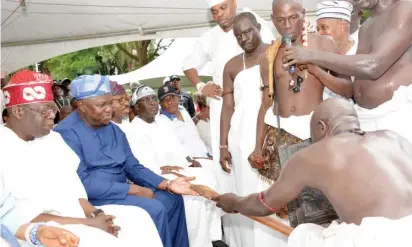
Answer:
(106, 163)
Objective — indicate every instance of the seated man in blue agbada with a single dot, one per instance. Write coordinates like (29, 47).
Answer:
(107, 162)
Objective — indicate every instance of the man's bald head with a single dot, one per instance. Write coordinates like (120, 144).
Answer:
(288, 16)
(331, 117)
(247, 16)
(247, 31)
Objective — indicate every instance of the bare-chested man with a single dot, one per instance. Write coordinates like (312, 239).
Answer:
(296, 103)
(241, 102)
(381, 67)
(370, 177)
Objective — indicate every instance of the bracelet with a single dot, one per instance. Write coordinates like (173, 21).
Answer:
(200, 86)
(264, 204)
(31, 233)
(196, 118)
(167, 186)
(223, 146)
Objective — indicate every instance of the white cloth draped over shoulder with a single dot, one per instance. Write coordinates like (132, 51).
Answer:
(41, 176)
(218, 47)
(373, 231)
(155, 145)
(241, 142)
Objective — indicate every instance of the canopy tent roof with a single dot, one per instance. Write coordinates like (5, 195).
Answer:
(36, 30)
(168, 63)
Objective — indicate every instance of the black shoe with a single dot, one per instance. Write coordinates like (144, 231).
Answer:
(219, 243)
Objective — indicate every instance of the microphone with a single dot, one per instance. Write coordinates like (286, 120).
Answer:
(287, 41)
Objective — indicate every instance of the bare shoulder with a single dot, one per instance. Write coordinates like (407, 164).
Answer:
(400, 13)
(233, 64)
(322, 43)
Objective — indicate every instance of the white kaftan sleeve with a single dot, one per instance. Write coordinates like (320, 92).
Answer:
(200, 54)
(15, 213)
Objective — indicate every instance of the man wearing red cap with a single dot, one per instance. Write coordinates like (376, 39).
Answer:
(52, 191)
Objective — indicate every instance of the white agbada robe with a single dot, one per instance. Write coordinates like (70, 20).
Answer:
(203, 127)
(41, 175)
(155, 145)
(187, 133)
(189, 137)
(241, 142)
(327, 93)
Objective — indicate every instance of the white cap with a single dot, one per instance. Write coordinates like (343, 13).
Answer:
(334, 9)
(166, 80)
(141, 92)
(212, 3)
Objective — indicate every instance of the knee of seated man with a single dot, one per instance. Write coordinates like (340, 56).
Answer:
(169, 200)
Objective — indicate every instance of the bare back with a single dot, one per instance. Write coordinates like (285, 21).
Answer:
(369, 176)
(311, 94)
(376, 34)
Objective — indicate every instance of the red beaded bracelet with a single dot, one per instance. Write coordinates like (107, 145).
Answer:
(264, 204)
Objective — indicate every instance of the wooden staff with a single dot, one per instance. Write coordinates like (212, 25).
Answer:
(271, 53)
(270, 222)
(208, 193)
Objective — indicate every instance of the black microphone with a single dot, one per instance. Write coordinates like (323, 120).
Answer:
(287, 41)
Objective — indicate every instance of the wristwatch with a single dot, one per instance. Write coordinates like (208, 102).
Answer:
(96, 212)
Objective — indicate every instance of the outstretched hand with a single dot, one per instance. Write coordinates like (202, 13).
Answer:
(226, 202)
(181, 185)
(296, 55)
(212, 90)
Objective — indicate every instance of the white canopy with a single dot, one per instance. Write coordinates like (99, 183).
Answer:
(168, 63)
(36, 30)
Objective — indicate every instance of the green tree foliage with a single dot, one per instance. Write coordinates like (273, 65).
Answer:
(106, 60)
(365, 15)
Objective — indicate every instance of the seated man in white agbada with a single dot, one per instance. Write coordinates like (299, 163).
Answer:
(153, 142)
(39, 170)
(181, 122)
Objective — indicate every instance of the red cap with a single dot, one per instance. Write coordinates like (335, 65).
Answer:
(28, 87)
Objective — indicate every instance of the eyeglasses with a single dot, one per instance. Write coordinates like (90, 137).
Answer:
(45, 112)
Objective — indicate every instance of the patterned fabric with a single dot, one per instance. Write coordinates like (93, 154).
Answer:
(8, 236)
(271, 164)
(90, 86)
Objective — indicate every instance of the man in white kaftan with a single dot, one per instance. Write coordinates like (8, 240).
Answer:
(217, 46)
(45, 183)
(155, 145)
(331, 16)
(242, 97)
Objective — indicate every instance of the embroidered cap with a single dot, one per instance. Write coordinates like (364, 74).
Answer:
(212, 3)
(28, 87)
(90, 86)
(164, 91)
(334, 9)
(116, 88)
(141, 92)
